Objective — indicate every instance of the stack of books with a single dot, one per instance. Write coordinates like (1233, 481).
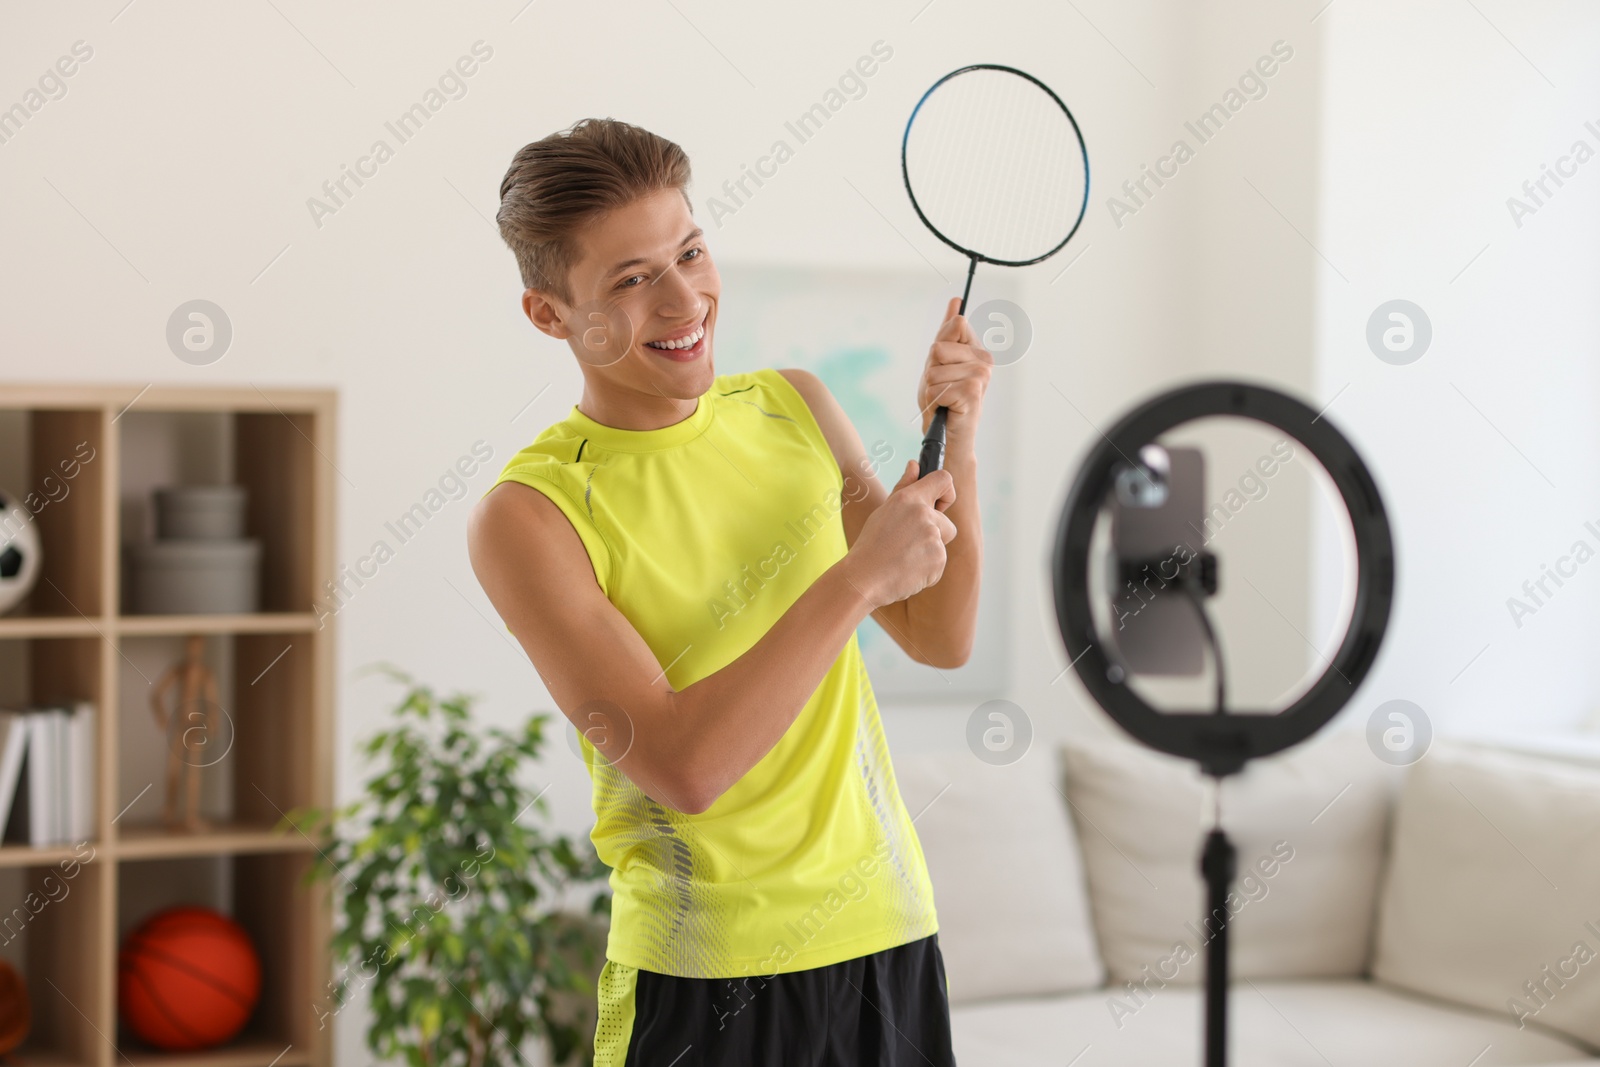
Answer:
(47, 774)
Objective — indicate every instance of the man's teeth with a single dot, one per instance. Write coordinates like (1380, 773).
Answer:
(686, 342)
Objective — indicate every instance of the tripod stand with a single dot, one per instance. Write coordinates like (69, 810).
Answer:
(1218, 863)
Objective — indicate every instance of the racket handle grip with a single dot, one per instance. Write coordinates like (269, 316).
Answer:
(932, 457)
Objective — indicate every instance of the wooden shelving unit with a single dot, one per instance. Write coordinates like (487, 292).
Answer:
(73, 640)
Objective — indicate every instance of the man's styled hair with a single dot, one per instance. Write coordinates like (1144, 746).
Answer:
(560, 183)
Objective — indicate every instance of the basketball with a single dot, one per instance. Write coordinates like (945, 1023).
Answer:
(187, 978)
(14, 1009)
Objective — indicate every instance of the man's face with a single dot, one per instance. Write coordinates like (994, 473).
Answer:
(644, 278)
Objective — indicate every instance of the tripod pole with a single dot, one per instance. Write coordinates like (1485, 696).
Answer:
(1217, 864)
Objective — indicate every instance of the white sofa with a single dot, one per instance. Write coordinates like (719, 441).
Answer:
(1383, 916)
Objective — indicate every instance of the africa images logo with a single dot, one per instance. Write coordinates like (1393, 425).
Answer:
(451, 85)
(851, 85)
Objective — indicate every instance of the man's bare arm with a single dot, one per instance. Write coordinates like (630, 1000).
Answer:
(938, 625)
(683, 749)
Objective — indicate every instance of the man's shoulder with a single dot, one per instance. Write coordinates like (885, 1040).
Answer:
(768, 388)
(788, 392)
(804, 381)
(784, 383)
(552, 456)
(742, 381)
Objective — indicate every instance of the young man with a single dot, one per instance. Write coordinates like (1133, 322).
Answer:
(685, 558)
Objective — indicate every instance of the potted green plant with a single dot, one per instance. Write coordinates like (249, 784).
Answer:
(447, 897)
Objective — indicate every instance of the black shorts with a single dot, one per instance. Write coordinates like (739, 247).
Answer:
(887, 1009)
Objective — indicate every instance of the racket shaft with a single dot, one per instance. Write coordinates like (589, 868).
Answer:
(932, 457)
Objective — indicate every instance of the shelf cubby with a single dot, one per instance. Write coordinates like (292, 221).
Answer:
(56, 467)
(54, 930)
(286, 922)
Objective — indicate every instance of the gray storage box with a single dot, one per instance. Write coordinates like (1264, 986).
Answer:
(200, 513)
(195, 577)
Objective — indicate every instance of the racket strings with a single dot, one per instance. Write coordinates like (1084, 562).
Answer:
(996, 165)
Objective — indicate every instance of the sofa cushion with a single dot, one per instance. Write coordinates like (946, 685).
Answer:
(1309, 826)
(1007, 878)
(1274, 1024)
(1493, 893)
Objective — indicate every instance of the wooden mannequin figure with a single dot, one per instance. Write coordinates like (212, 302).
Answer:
(191, 724)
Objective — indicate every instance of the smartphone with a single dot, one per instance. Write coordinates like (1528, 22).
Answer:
(1155, 630)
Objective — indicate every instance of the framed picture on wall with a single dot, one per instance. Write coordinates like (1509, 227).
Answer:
(866, 335)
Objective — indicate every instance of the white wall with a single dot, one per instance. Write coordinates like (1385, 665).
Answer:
(1485, 447)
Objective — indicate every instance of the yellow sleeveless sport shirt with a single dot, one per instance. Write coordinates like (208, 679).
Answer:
(703, 533)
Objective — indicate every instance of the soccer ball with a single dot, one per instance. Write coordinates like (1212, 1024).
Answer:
(20, 552)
